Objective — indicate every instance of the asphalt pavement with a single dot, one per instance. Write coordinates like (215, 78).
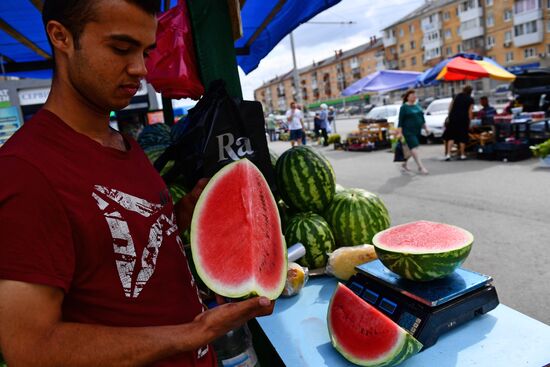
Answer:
(505, 205)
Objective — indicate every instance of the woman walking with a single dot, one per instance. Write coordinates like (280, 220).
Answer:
(411, 121)
(460, 115)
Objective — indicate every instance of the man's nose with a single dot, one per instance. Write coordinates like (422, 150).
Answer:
(137, 67)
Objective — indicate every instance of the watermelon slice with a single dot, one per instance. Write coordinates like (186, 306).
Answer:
(423, 250)
(364, 335)
(236, 238)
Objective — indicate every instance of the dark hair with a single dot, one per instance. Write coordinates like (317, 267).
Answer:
(407, 94)
(467, 89)
(75, 14)
(484, 97)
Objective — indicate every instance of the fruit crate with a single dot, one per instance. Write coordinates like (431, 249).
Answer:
(486, 152)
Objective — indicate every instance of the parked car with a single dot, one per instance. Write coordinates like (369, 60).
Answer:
(389, 113)
(436, 114)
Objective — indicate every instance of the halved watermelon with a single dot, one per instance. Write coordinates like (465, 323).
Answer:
(364, 335)
(423, 250)
(236, 237)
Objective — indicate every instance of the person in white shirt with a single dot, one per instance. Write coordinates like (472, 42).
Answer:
(294, 117)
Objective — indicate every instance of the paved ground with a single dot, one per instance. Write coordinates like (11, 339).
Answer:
(505, 205)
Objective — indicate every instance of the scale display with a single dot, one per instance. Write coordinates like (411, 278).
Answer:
(425, 309)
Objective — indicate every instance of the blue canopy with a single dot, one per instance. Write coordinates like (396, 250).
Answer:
(24, 46)
(383, 81)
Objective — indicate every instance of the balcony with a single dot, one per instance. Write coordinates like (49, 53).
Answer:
(434, 25)
(471, 13)
(527, 16)
(433, 43)
(530, 38)
(471, 29)
(389, 40)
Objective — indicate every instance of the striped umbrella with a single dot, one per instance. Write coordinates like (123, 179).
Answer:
(460, 68)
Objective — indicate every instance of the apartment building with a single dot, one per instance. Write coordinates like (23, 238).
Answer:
(323, 80)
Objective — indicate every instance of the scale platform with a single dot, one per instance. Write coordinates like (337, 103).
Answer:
(425, 309)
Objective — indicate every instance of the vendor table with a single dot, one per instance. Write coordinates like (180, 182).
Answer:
(297, 330)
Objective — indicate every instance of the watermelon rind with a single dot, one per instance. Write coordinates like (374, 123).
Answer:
(251, 288)
(312, 231)
(405, 347)
(423, 265)
(355, 216)
(305, 179)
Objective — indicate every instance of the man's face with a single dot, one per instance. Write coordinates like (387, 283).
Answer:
(484, 102)
(292, 105)
(107, 68)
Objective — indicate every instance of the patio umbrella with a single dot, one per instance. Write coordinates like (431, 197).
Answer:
(383, 81)
(460, 68)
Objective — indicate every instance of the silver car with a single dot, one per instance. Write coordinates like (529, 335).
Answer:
(435, 116)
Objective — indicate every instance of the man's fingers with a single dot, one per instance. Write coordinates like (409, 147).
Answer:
(199, 187)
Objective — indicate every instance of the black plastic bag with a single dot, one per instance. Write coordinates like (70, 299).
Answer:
(216, 132)
(399, 155)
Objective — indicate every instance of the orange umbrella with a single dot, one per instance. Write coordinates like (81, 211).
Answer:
(461, 68)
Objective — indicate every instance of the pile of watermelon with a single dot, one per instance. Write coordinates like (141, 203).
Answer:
(318, 212)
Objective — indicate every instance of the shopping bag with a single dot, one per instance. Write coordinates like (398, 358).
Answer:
(217, 131)
(406, 151)
(398, 155)
(172, 67)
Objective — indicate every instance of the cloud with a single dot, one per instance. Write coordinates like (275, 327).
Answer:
(318, 41)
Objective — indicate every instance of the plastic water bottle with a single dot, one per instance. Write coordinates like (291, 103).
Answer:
(235, 349)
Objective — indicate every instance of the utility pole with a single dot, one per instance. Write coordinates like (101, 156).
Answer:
(295, 71)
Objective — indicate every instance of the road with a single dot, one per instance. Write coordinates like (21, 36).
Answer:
(505, 205)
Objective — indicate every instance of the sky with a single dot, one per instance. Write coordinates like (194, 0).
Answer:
(314, 42)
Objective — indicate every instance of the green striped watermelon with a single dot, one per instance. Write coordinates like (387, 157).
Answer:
(156, 134)
(339, 188)
(314, 233)
(305, 179)
(423, 250)
(364, 335)
(355, 216)
(273, 156)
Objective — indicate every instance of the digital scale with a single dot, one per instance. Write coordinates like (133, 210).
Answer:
(425, 309)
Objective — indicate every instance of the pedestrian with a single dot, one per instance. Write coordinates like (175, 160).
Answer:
(295, 124)
(461, 113)
(317, 125)
(304, 134)
(271, 127)
(487, 113)
(323, 116)
(411, 122)
(331, 118)
(92, 268)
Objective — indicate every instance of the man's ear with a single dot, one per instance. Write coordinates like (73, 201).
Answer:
(60, 36)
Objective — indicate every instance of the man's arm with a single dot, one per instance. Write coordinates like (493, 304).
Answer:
(32, 332)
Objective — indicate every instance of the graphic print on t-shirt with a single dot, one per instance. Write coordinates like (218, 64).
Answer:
(114, 204)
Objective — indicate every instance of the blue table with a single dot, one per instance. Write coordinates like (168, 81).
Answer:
(297, 329)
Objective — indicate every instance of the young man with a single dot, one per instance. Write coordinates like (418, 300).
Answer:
(92, 272)
(487, 113)
(294, 117)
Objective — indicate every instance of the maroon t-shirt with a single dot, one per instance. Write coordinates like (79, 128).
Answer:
(99, 224)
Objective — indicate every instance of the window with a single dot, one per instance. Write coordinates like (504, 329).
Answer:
(508, 36)
(354, 63)
(448, 33)
(401, 49)
(508, 14)
(548, 25)
(447, 15)
(413, 45)
(413, 60)
(489, 2)
(490, 20)
(490, 41)
(448, 50)
(518, 30)
(401, 32)
(531, 27)
(509, 56)
(529, 52)
(522, 6)
(403, 63)
(411, 28)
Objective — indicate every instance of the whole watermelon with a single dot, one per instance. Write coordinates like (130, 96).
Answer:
(305, 179)
(156, 134)
(355, 216)
(312, 231)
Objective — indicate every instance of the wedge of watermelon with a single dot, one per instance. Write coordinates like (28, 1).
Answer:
(236, 238)
(423, 250)
(364, 335)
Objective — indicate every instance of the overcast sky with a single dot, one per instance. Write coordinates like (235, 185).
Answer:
(318, 41)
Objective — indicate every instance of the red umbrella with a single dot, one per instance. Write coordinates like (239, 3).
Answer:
(461, 68)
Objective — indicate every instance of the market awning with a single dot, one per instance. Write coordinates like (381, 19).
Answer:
(383, 81)
(25, 52)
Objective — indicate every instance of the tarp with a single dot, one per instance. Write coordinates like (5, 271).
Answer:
(383, 81)
(265, 24)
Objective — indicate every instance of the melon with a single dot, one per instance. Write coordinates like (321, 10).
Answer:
(423, 250)
(364, 335)
(236, 238)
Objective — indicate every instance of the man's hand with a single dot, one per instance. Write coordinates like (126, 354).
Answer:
(221, 319)
(184, 208)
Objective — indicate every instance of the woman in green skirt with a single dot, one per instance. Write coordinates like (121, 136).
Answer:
(411, 122)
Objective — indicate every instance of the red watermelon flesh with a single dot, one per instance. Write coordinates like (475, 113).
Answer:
(424, 236)
(364, 335)
(236, 237)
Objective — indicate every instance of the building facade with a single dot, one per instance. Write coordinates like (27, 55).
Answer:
(515, 33)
